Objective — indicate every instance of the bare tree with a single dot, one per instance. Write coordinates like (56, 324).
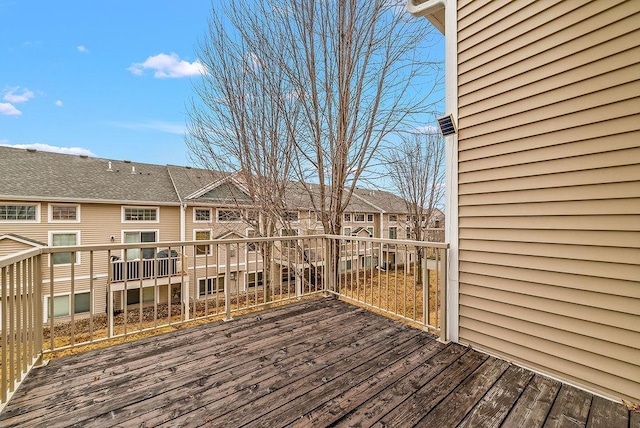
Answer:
(241, 121)
(361, 70)
(416, 168)
(308, 90)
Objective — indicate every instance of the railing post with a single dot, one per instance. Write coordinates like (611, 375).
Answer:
(39, 315)
(327, 284)
(424, 272)
(227, 292)
(443, 295)
(185, 286)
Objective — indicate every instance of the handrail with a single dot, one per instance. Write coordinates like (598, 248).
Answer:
(401, 278)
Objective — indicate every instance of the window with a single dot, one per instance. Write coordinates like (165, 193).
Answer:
(202, 235)
(19, 213)
(436, 223)
(140, 214)
(201, 215)
(370, 218)
(370, 230)
(408, 233)
(133, 295)
(393, 217)
(251, 279)
(346, 231)
(64, 213)
(291, 216)
(358, 217)
(345, 265)
(393, 233)
(347, 217)
(229, 216)
(318, 216)
(210, 285)
(63, 239)
(62, 305)
(135, 237)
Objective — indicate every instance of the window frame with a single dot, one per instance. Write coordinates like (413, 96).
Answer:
(370, 218)
(257, 281)
(393, 217)
(50, 214)
(357, 217)
(68, 295)
(51, 233)
(123, 232)
(209, 251)
(124, 208)
(395, 232)
(37, 218)
(195, 217)
(220, 288)
(218, 210)
(346, 217)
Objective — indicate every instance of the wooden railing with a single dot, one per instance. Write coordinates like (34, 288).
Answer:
(48, 307)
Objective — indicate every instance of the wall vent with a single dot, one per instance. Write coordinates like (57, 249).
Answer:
(447, 125)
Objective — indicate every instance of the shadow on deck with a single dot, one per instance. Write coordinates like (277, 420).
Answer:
(318, 362)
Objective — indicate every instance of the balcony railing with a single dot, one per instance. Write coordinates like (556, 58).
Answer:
(132, 270)
(48, 307)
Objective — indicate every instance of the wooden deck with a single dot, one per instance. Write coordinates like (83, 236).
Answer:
(317, 363)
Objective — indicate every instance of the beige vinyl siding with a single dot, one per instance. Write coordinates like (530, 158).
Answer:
(10, 246)
(549, 187)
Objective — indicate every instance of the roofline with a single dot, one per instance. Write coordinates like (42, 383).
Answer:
(367, 202)
(23, 240)
(85, 200)
(173, 183)
(215, 184)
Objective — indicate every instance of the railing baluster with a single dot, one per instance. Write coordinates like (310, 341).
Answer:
(5, 332)
(72, 299)
(91, 296)
(110, 303)
(443, 295)
(227, 293)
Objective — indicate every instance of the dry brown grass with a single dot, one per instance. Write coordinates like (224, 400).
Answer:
(395, 292)
(149, 326)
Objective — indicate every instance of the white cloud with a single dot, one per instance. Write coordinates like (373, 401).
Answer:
(9, 110)
(168, 66)
(154, 125)
(83, 49)
(13, 96)
(428, 129)
(54, 149)
(58, 103)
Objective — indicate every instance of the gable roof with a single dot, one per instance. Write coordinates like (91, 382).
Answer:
(22, 239)
(36, 175)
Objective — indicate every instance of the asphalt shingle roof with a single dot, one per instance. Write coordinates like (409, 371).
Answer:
(37, 175)
(28, 174)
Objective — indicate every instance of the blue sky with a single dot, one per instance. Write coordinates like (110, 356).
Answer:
(106, 78)
(111, 77)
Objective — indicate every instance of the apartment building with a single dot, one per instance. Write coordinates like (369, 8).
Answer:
(50, 199)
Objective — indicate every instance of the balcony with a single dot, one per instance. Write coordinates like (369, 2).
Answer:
(315, 342)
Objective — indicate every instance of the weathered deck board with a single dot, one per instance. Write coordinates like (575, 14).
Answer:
(312, 363)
